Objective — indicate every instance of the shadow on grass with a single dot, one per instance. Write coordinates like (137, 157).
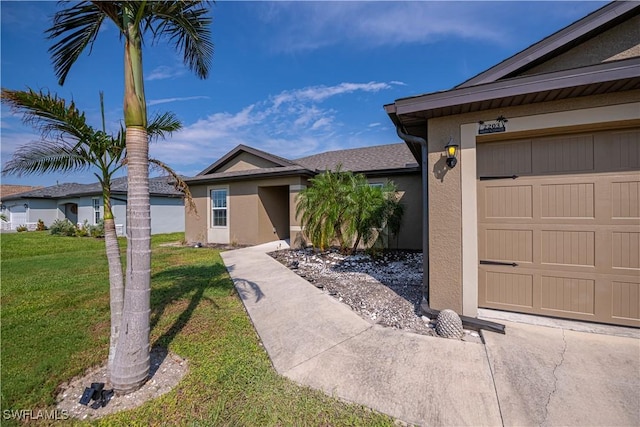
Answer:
(180, 283)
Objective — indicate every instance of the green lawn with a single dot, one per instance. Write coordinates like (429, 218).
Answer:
(55, 325)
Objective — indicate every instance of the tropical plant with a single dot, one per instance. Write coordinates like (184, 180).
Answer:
(68, 143)
(374, 210)
(40, 226)
(323, 208)
(62, 227)
(186, 25)
(342, 207)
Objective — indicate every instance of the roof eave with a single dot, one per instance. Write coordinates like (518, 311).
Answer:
(244, 148)
(271, 174)
(436, 102)
(589, 26)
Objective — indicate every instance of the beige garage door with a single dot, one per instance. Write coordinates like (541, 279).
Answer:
(559, 226)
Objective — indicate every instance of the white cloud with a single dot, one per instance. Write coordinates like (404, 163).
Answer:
(164, 72)
(291, 124)
(152, 102)
(310, 25)
(304, 26)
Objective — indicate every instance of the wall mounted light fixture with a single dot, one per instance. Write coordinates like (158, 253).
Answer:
(452, 153)
(26, 206)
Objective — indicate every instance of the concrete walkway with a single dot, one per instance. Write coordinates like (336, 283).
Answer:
(533, 375)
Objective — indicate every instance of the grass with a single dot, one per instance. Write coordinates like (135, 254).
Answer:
(55, 325)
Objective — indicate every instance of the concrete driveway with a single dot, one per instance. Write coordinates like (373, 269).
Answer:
(531, 376)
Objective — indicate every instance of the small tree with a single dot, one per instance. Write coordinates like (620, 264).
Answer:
(342, 207)
(323, 208)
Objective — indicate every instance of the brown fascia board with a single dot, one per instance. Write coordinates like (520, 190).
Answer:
(587, 27)
(203, 179)
(245, 148)
(600, 73)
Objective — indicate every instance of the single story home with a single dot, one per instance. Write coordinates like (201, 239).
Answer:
(541, 214)
(538, 213)
(83, 202)
(248, 196)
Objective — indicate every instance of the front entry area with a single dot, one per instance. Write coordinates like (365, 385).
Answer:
(273, 213)
(559, 226)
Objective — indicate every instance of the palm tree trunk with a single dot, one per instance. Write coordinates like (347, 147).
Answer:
(116, 279)
(132, 362)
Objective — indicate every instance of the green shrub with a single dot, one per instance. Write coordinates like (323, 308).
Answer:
(21, 228)
(95, 230)
(62, 227)
(41, 226)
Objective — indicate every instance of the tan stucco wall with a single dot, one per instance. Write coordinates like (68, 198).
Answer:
(195, 229)
(273, 213)
(620, 42)
(410, 189)
(249, 223)
(445, 190)
(256, 207)
(245, 161)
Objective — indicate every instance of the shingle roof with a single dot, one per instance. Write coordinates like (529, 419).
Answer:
(160, 186)
(366, 159)
(378, 157)
(9, 189)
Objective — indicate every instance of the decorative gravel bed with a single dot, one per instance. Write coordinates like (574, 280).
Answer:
(386, 289)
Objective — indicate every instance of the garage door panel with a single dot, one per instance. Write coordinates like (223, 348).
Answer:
(509, 289)
(505, 158)
(568, 294)
(509, 245)
(563, 155)
(625, 300)
(625, 250)
(513, 201)
(562, 247)
(574, 200)
(625, 200)
(618, 151)
(571, 226)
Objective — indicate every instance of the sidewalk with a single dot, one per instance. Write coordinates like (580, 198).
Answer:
(531, 376)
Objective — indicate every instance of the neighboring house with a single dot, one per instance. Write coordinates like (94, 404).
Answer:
(249, 196)
(541, 215)
(83, 202)
(9, 189)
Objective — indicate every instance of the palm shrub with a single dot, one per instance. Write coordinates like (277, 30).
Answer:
(375, 210)
(341, 207)
(323, 208)
(62, 227)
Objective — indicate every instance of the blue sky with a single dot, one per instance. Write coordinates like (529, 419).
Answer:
(290, 78)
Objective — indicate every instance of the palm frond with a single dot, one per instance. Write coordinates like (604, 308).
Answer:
(48, 113)
(179, 184)
(74, 28)
(46, 156)
(162, 125)
(188, 26)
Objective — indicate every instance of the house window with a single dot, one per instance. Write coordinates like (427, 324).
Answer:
(219, 207)
(96, 210)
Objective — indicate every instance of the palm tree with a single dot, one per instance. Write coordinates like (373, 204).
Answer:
(323, 207)
(68, 144)
(187, 26)
(342, 207)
